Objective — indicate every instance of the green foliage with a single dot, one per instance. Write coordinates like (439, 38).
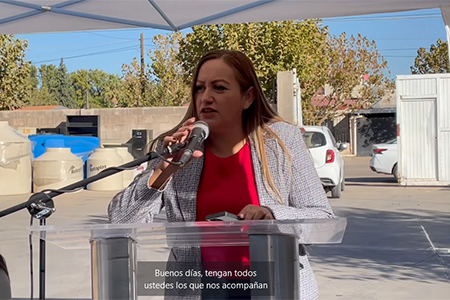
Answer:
(63, 89)
(272, 47)
(338, 63)
(95, 87)
(319, 59)
(349, 59)
(433, 61)
(132, 91)
(169, 88)
(15, 85)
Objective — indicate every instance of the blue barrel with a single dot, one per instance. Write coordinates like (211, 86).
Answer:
(81, 146)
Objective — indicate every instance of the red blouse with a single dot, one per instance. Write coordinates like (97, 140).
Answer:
(227, 184)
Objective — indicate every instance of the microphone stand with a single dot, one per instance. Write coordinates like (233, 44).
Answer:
(41, 205)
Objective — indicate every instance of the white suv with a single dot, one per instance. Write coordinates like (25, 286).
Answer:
(328, 161)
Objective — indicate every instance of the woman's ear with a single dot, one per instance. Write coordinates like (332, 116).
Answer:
(249, 97)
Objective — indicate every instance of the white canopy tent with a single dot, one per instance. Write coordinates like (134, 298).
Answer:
(33, 16)
(36, 16)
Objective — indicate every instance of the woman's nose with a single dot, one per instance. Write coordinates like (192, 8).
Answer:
(207, 95)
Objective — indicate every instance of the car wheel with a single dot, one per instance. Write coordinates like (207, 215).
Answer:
(343, 184)
(395, 172)
(336, 191)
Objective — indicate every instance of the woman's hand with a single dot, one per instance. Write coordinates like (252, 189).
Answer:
(179, 137)
(253, 212)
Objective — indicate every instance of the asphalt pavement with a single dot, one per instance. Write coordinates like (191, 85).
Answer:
(396, 245)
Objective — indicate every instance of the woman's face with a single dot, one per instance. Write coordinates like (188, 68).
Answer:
(218, 97)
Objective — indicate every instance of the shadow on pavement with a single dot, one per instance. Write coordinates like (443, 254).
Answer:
(388, 245)
(386, 179)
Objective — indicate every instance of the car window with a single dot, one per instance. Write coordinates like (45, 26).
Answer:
(314, 139)
(333, 140)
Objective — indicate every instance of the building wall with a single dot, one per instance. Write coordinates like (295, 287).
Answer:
(116, 124)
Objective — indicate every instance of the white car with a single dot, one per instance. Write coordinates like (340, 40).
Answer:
(384, 158)
(328, 161)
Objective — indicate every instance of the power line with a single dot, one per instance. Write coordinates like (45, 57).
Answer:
(81, 48)
(387, 18)
(399, 49)
(399, 56)
(90, 54)
(406, 39)
(111, 37)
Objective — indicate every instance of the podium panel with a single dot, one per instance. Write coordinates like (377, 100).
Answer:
(153, 260)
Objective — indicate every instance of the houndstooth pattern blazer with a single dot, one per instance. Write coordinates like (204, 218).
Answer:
(301, 190)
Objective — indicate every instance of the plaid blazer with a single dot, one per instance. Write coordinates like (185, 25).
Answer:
(301, 190)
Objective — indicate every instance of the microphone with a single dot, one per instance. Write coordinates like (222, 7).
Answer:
(199, 133)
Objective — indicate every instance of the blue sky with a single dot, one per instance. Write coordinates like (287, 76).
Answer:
(398, 36)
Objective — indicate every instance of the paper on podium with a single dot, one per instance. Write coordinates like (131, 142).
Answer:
(195, 234)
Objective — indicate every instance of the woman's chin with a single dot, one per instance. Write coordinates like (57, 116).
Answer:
(213, 125)
(209, 121)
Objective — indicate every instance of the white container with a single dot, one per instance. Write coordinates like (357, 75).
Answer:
(423, 129)
(56, 168)
(99, 160)
(128, 175)
(15, 161)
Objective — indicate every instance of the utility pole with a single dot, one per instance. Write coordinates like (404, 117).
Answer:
(142, 70)
(87, 99)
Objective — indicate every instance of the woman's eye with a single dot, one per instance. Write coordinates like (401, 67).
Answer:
(220, 88)
(199, 88)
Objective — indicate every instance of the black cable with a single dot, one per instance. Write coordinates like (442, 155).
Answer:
(168, 161)
(42, 259)
(61, 190)
(31, 259)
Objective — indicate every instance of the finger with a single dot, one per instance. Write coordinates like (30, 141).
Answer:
(244, 211)
(268, 216)
(197, 154)
(168, 140)
(250, 215)
(181, 136)
(259, 214)
(189, 121)
(250, 212)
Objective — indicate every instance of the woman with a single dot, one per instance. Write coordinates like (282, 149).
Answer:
(253, 164)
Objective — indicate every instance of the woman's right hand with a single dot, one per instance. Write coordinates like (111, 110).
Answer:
(179, 137)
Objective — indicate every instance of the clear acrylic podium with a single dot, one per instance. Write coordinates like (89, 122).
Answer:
(115, 248)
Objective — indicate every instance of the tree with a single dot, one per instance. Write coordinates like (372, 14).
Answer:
(39, 94)
(169, 88)
(131, 89)
(355, 75)
(319, 59)
(47, 91)
(272, 47)
(64, 92)
(15, 89)
(114, 90)
(433, 61)
(97, 87)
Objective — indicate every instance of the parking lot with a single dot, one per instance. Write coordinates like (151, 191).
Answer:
(396, 245)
